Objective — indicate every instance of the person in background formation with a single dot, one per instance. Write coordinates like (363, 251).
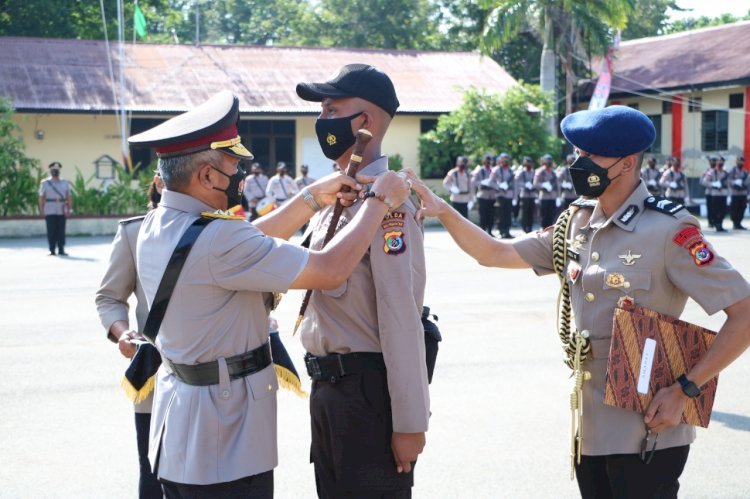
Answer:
(458, 182)
(281, 187)
(674, 183)
(213, 425)
(483, 181)
(504, 180)
(303, 180)
(120, 281)
(739, 180)
(651, 176)
(255, 188)
(717, 179)
(527, 194)
(709, 190)
(370, 403)
(545, 183)
(622, 233)
(54, 206)
(567, 193)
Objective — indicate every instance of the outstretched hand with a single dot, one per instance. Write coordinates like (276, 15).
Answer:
(328, 189)
(432, 204)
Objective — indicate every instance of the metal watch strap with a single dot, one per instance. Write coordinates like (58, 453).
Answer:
(310, 200)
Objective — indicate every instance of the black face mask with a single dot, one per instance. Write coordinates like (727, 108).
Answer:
(54, 173)
(335, 135)
(590, 179)
(233, 191)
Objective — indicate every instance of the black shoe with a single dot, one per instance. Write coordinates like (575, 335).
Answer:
(52, 253)
(507, 236)
(740, 227)
(62, 253)
(720, 229)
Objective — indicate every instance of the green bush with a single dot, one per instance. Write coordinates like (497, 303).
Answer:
(512, 122)
(19, 174)
(119, 198)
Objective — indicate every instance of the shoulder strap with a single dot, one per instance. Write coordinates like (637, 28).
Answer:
(62, 197)
(169, 279)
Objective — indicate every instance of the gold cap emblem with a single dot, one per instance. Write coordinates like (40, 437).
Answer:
(331, 139)
(594, 180)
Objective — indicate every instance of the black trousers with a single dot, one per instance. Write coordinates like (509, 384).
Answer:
(55, 232)
(710, 209)
(504, 213)
(258, 486)
(547, 211)
(625, 476)
(737, 207)
(351, 439)
(486, 214)
(148, 485)
(718, 210)
(527, 213)
(462, 208)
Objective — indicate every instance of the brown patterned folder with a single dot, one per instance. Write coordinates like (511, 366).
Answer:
(674, 346)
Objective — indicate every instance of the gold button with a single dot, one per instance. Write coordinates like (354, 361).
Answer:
(626, 285)
(589, 297)
(595, 256)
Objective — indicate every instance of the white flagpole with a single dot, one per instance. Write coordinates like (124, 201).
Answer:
(121, 48)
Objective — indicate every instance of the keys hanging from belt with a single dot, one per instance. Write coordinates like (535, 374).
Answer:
(576, 407)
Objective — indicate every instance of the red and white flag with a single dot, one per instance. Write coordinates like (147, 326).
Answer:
(603, 85)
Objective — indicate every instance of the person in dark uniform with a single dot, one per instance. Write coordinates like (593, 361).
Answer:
(370, 404)
(483, 181)
(545, 182)
(716, 179)
(526, 193)
(567, 193)
(709, 190)
(506, 192)
(623, 235)
(54, 206)
(651, 175)
(739, 180)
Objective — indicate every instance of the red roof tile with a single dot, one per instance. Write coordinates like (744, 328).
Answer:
(73, 75)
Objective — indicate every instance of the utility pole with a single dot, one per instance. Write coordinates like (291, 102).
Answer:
(197, 23)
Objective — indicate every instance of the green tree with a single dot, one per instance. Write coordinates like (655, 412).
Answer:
(513, 122)
(704, 22)
(19, 174)
(649, 18)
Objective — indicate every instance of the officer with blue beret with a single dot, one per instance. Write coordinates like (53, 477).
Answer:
(618, 240)
(213, 427)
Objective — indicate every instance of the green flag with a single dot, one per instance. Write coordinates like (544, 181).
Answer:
(140, 21)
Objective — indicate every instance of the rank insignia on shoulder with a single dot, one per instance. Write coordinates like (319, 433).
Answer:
(130, 220)
(628, 214)
(584, 203)
(394, 242)
(221, 215)
(662, 205)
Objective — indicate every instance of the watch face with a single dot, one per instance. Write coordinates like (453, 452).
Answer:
(688, 387)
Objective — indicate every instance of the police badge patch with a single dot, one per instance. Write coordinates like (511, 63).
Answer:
(394, 242)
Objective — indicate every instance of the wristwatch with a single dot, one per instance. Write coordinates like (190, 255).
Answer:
(688, 387)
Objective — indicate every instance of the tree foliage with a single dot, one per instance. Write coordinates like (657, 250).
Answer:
(19, 174)
(513, 122)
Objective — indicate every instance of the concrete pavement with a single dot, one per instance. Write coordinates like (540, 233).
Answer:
(500, 424)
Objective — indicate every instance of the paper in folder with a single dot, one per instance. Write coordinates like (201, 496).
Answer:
(649, 351)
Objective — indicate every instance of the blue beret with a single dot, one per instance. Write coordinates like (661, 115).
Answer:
(614, 131)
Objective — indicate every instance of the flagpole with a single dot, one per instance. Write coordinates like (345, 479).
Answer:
(121, 50)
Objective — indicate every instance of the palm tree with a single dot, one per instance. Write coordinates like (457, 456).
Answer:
(568, 29)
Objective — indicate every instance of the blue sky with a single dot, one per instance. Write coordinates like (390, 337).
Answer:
(710, 8)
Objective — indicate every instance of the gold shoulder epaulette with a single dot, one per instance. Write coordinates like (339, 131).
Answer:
(220, 214)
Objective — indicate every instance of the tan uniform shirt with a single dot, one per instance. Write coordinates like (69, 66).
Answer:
(119, 282)
(716, 182)
(565, 181)
(378, 309)
(651, 177)
(525, 184)
(55, 193)
(303, 182)
(505, 181)
(255, 189)
(461, 180)
(738, 181)
(483, 181)
(281, 189)
(674, 184)
(545, 182)
(644, 246)
(217, 433)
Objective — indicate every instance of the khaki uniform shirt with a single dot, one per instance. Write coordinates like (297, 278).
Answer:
(565, 181)
(713, 175)
(461, 180)
(255, 189)
(303, 182)
(651, 178)
(504, 177)
(644, 246)
(379, 308)
(488, 189)
(545, 178)
(217, 433)
(281, 189)
(119, 282)
(738, 181)
(671, 177)
(55, 193)
(525, 184)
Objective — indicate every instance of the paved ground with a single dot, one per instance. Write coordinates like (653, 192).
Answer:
(499, 399)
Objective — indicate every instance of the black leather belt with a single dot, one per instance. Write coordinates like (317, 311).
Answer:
(238, 366)
(335, 366)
